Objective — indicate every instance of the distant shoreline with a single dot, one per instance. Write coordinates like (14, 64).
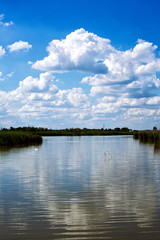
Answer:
(30, 135)
(71, 131)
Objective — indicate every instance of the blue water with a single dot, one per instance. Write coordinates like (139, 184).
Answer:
(91, 187)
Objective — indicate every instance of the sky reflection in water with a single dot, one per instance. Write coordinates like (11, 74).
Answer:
(80, 188)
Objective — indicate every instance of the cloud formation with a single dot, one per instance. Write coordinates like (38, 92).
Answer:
(20, 45)
(2, 51)
(122, 86)
(80, 51)
(39, 99)
(134, 69)
(131, 86)
(129, 77)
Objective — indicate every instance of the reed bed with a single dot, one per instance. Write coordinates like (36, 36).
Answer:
(148, 136)
(13, 138)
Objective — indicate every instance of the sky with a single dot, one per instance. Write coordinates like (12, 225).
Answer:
(69, 64)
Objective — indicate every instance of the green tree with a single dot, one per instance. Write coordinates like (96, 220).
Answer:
(154, 128)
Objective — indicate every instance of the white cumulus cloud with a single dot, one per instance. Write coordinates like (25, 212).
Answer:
(39, 99)
(17, 46)
(74, 96)
(124, 86)
(80, 51)
(43, 83)
(132, 74)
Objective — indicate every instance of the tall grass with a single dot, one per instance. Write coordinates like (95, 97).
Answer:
(148, 136)
(13, 138)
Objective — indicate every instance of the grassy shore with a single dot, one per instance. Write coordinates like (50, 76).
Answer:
(18, 138)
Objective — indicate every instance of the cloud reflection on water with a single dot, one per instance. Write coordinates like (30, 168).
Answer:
(66, 188)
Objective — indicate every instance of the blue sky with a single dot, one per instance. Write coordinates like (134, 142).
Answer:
(80, 63)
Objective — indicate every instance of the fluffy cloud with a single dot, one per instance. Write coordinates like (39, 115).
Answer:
(114, 104)
(141, 112)
(132, 71)
(74, 97)
(130, 87)
(129, 77)
(17, 46)
(153, 101)
(43, 83)
(80, 51)
(5, 24)
(2, 51)
(123, 88)
(38, 99)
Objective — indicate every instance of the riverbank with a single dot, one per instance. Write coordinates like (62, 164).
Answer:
(32, 135)
(18, 138)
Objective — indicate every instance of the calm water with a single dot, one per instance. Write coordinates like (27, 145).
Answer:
(80, 188)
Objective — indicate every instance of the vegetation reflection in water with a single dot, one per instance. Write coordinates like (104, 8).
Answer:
(80, 188)
(150, 137)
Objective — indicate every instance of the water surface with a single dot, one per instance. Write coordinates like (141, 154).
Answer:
(80, 188)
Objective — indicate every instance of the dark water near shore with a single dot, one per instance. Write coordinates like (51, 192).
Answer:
(80, 188)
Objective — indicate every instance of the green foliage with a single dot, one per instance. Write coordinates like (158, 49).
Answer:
(32, 135)
(14, 138)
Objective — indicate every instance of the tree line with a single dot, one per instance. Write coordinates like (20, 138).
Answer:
(71, 131)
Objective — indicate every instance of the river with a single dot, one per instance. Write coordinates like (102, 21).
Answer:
(88, 187)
